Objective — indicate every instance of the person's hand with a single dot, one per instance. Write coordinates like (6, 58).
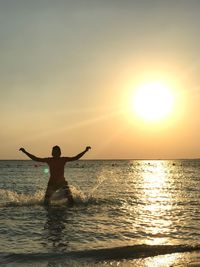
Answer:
(88, 148)
(22, 149)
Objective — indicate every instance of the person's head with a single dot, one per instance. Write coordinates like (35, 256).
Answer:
(56, 152)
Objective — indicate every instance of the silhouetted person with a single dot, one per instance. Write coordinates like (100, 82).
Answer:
(56, 166)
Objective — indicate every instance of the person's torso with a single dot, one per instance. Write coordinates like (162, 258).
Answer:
(56, 168)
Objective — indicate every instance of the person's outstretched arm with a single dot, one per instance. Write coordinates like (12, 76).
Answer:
(79, 155)
(32, 156)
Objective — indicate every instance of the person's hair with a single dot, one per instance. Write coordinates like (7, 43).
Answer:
(56, 151)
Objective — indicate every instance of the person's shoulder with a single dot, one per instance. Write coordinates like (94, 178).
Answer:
(57, 159)
(47, 159)
(65, 159)
(52, 159)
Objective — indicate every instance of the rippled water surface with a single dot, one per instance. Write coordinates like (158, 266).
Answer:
(118, 204)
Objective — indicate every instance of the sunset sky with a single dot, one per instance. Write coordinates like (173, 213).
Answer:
(70, 70)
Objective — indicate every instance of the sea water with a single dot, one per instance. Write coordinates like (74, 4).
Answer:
(126, 213)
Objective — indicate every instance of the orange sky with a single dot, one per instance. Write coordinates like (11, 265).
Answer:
(69, 69)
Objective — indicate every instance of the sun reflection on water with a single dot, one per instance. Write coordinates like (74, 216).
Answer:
(151, 207)
(161, 261)
(157, 201)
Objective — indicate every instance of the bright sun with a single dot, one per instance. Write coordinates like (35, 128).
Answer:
(153, 101)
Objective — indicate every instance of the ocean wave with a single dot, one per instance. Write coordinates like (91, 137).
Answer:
(115, 253)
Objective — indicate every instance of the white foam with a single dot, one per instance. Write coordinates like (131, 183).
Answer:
(8, 197)
(19, 199)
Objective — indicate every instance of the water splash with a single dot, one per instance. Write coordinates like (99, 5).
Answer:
(13, 198)
(78, 195)
(84, 198)
(93, 191)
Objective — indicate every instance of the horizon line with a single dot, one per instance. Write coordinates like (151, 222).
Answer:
(120, 159)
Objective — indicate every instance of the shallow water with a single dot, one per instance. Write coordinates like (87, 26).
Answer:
(118, 204)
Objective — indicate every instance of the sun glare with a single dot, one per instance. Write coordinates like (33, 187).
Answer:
(153, 101)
